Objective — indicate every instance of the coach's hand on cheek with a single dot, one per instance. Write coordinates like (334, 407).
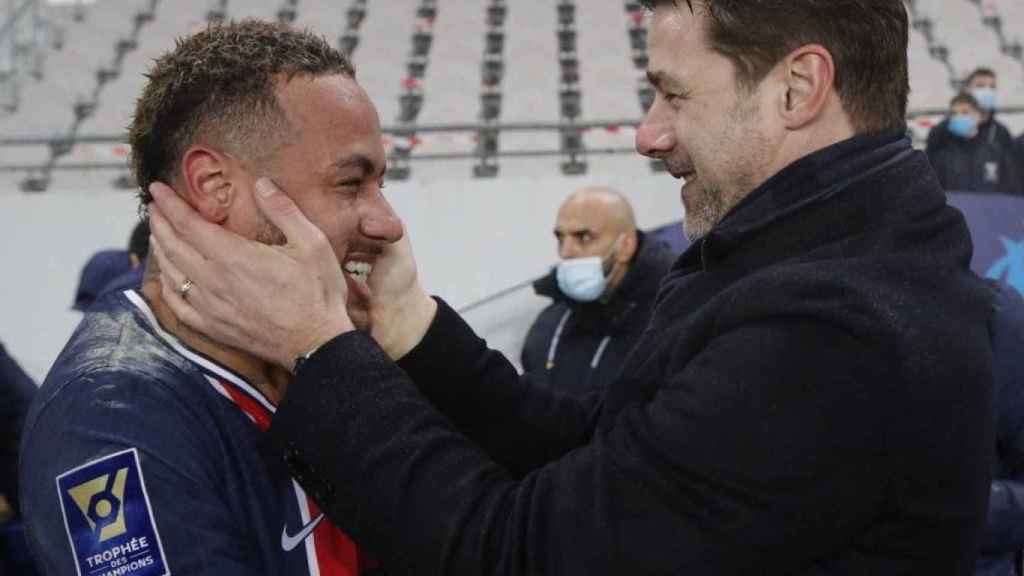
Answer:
(400, 310)
(276, 302)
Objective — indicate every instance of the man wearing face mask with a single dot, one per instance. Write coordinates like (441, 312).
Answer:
(970, 161)
(602, 290)
(982, 85)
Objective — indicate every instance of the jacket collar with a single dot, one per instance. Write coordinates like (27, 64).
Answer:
(808, 181)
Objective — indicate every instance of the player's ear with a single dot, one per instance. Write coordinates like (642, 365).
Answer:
(208, 186)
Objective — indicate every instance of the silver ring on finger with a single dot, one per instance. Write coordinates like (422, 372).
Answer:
(184, 288)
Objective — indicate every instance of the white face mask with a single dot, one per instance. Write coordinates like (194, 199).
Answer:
(584, 279)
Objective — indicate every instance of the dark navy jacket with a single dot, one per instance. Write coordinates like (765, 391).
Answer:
(977, 165)
(125, 397)
(985, 163)
(1003, 538)
(993, 132)
(812, 396)
(593, 339)
(16, 392)
(1020, 152)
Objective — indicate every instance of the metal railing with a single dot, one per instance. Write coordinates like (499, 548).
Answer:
(66, 144)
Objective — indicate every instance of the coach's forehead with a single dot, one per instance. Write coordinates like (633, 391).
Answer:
(677, 46)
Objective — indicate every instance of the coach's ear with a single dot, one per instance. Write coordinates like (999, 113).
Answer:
(809, 74)
(208, 185)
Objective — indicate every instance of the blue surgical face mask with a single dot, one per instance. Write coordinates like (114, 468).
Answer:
(986, 98)
(584, 279)
(963, 125)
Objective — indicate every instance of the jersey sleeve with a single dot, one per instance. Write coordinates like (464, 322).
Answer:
(123, 476)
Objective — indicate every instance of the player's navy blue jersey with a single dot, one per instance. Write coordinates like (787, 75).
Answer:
(141, 457)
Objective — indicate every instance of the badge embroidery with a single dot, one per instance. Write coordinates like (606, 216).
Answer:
(991, 172)
(109, 520)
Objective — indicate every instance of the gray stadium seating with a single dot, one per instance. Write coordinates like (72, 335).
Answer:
(484, 63)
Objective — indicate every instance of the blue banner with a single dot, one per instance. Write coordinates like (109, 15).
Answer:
(997, 228)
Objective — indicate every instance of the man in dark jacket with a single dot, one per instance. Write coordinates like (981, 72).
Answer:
(138, 250)
(970, 161)
(99, 271)
(1003, 537)
(603, 293)
(981, 84)
(16, 392)
(1020, 152)
(812, 395)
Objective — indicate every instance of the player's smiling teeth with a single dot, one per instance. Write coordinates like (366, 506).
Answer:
(359, 270)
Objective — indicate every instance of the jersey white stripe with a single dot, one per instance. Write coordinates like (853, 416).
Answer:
(310, 543)
(219, 387)
(204, 363)
(223, 392)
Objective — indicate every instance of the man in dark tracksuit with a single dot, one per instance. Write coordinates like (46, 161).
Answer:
(1003, 538)
(812, 395)
(973, 158)
(981, 83)
(992, 131)
(579, 347)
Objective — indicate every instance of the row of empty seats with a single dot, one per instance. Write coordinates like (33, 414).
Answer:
(509, 80)
(492, 72)
(958, 36)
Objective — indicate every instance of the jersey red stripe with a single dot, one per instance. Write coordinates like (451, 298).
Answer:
(335, 552)
(251, 407)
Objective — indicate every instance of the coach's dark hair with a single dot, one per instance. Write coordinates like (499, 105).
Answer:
(867, 39)
(218, 86)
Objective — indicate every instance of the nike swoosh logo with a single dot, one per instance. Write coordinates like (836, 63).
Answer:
(289, 542)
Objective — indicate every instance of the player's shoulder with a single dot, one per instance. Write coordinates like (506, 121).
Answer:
(117, 403)
(114, 370)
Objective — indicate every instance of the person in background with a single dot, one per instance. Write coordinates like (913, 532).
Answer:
(982, 84)
(1019, 149)
(114, 270)
(101, 269)
(603, 291)
(16, 391)
(969, 161)
(1003, 537)
(138, 249)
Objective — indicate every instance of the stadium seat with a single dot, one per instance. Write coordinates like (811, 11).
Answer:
(573, 73)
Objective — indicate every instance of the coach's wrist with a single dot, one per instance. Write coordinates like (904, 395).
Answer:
(404, 324)
(330, 328)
